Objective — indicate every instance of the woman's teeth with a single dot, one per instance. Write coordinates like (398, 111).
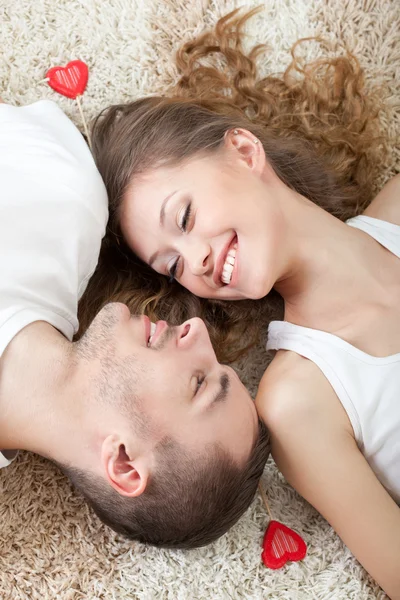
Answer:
(229, 265)
(152, 332)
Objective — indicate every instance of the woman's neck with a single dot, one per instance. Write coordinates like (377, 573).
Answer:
(334, 273)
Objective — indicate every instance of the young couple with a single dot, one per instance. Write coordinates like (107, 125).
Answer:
(234, 189)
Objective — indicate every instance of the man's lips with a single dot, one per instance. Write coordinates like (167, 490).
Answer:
(217, 275)
(161, 326)
(147, 328)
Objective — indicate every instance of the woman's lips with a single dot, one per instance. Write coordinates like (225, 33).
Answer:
(223, 274)
(229, 265)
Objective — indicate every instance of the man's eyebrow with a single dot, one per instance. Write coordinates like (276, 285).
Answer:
(222, 393)
(162, 219)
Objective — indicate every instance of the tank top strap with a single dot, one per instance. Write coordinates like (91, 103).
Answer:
(387, 234)
(324, 350)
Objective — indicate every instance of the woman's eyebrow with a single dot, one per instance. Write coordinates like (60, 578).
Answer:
(154, 256)
(163, 205)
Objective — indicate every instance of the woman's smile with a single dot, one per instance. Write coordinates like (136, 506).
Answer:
(212, 224)
(226, 263)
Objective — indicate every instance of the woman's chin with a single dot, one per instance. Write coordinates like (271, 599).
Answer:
(257, 291)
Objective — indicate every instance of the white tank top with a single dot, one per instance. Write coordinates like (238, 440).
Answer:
(368, 387)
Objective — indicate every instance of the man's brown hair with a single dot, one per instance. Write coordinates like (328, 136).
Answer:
(188, 502)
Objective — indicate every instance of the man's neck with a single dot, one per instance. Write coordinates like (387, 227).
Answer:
(35, 377)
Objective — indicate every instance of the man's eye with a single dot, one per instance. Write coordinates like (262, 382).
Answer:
(200, 381)
(186, 218)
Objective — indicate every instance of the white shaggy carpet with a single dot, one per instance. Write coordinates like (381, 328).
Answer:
(51, 546)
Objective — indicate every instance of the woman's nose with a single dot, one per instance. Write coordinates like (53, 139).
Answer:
(198, 258)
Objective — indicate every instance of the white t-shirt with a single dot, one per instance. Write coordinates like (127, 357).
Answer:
(53, 214)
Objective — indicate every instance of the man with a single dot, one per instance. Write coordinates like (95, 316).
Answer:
(161, 439)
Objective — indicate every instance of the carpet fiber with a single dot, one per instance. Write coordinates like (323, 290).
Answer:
(51, 546)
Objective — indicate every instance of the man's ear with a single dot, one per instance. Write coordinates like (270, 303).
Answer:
(128, 475)
(247, 148)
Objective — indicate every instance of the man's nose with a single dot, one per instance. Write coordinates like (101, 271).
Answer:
(198, 256)
(193, 335)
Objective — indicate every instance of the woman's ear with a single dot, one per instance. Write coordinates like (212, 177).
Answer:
(246, 147)
(127, 475)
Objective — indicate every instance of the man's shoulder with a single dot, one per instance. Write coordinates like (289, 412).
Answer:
(42, 143)
(7, 457)
(53, 214)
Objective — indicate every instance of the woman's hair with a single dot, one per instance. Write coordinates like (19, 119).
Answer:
(319, 130)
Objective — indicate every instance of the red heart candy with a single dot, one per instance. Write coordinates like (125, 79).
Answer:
(70, 80)
(280, 545)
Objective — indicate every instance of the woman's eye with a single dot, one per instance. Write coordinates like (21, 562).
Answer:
(183, 225)
(173, 270)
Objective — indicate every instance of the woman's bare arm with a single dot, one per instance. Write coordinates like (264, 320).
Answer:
(386, 205)
(319, 457)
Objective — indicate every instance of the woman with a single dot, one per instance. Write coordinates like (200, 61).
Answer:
(238, 189)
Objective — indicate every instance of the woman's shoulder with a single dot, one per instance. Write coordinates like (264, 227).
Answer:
(294, 388)
(285, 385)
(386, 205)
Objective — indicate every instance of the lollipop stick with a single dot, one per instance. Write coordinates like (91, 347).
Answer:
(84, 122)
(264, 497)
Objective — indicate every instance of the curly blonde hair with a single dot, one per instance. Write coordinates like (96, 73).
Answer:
(320, 132)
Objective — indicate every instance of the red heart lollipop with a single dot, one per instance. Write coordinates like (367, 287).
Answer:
(70, 80)
(280, 545)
